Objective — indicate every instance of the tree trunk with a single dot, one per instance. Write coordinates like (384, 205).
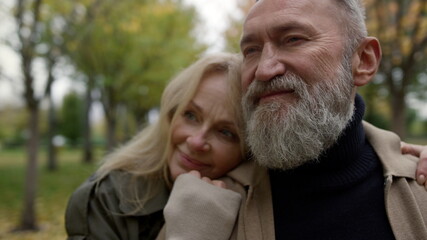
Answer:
(52, 160)
(111, 131)
(28, 215)
(398, 110)
(87, 131)
(26, 51)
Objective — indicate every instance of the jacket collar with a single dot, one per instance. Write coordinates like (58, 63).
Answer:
(387, 146)
(249, 173)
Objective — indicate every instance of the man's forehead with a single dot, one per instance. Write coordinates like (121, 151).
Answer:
(292, 8)
(295, 5)
(283, 13)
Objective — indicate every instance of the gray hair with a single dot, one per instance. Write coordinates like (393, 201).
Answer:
(353, 17)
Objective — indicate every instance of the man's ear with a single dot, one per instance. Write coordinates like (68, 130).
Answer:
(366, 61)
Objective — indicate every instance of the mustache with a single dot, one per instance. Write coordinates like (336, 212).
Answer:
(288, 82)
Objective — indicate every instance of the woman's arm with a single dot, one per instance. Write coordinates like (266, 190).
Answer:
(200, 208)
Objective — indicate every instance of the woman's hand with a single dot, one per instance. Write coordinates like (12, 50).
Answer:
(217, 183)
(421, 152)
(200, 208)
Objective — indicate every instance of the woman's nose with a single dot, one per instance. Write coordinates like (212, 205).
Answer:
(198, 142)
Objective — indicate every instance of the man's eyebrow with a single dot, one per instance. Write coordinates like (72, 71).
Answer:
(280, 29)
(247, 39)
(293, 25)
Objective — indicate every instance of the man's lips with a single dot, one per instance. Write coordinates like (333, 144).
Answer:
(274, 94)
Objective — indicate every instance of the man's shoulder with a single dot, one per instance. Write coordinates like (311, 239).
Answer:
(406, 201)
(387, 146)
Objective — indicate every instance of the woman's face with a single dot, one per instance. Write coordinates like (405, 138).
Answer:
(204, 135)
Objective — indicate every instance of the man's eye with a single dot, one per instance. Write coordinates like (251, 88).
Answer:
(294, 39)
(249, 50)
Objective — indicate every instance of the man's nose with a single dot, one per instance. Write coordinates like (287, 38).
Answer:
(269, 65)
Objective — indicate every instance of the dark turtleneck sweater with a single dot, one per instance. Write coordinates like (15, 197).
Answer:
(339, 196)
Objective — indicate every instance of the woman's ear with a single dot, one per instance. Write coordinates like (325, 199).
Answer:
(366, 61)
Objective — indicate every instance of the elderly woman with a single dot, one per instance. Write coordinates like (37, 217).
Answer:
(199, 128)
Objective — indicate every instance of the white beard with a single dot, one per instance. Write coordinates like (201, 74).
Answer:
(284, 136)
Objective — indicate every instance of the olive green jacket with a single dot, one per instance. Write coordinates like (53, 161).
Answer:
(405, 200)
(105, 211)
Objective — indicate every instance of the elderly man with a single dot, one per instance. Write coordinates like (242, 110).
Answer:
(320, 172)
(331, 175)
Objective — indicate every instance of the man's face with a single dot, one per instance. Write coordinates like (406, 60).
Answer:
(296, 80)
(301, 36)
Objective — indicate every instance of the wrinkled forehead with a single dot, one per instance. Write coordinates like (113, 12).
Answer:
(321, 14)
(269, 6)
(295, 7)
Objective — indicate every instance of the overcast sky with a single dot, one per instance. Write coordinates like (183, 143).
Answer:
(214, 15)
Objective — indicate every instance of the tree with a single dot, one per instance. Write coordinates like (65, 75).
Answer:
(28, 32)
(401, 27)
(52, 40)
(133, 47)
(34, 35)
(72, 118)
(234, 31)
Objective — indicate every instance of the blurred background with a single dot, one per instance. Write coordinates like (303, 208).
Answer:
(78, 78)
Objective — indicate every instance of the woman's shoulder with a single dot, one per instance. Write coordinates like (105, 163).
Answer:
(120, 189)
(92, 193)
(107, 204)
(93, 186)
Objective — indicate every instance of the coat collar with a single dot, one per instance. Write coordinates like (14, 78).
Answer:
(387, 146)
(249, 173)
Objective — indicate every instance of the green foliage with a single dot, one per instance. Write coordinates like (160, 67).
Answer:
(71, 118)
(133, 48)
(12, 136)
(130, 49)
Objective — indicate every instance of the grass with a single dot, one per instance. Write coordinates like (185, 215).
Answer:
(54, 189)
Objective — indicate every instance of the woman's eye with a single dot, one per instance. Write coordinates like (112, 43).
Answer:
(227, 133)
(190, 115)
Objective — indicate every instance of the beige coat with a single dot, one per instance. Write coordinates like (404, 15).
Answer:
(405, 200)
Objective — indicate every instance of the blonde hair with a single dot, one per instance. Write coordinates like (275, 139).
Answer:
(146, 155)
